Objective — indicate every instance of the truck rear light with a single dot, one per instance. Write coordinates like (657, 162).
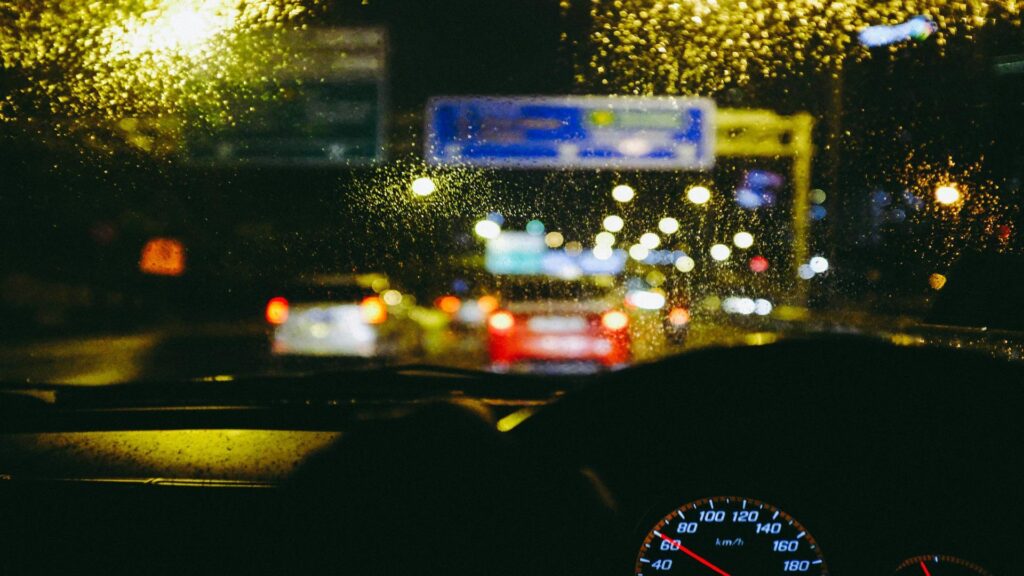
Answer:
(373, 310)
(277, 311)
(614, 320)
(501, 321)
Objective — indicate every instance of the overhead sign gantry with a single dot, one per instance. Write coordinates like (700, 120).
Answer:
(623, 132)
(572, 132)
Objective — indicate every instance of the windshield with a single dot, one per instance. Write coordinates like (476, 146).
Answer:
(195, 188)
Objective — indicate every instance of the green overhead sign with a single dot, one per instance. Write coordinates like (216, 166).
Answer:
(330, 112)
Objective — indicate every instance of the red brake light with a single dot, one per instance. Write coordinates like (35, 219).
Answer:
(501, 321)
(614, 320)
(373, 309)
(758, 264)
(277, 311)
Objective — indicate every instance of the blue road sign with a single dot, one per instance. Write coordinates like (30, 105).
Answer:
(572, 132)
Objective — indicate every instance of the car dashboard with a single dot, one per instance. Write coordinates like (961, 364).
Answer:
(813, 456)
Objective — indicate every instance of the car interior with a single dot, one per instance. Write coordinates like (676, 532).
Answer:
(881, 451)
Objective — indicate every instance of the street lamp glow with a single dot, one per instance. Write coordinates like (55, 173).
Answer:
(554, 239)
(720, 252)
(423, 186)
(623, 193)
(947, 195)
(650, 240)
(668, 225)
(602, 252)
(613, 223)
(604, 239)
(638, 252)
(391, 297)
(487, 229)
(183, 29)
(818, 264)
(685, 264)
(743, 240)
(698, 194)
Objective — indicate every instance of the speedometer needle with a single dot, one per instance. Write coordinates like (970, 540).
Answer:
(691, 553)
(925, 568)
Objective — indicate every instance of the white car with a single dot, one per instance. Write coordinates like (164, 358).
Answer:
(329, 316)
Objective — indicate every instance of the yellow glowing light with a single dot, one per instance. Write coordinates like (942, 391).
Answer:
(760, 338)
(668, 225)
(623, 193)
(378, 283)
(743, 240)
(685, 264)
(907, 340)
(614, 320)
(650, 240)
(487, 229)
(554, 239)
(655, 278)
(423, 186)
(947, 194)
(501, 321)
(177, 27)
(613, 223)
(392, 297)
(602, 252)
(698, 194)
(259, 456)
(720, 252)
(937, 281)
(157, 60)
(604, 239)
(514, 419)
(638, 252)
(574, 247)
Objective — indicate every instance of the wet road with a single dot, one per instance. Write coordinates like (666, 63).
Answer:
(178, 352)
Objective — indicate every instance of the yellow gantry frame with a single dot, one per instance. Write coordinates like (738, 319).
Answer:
(742, 132)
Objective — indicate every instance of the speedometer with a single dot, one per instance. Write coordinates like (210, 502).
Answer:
(729, 536)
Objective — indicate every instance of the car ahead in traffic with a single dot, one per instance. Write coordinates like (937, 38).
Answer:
(337, 315)
(676, 313)
(550, 323)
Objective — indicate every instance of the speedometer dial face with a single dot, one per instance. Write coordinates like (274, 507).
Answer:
(939, 565)
(729, 536)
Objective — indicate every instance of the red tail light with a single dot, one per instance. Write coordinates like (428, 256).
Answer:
(614, 320)
(501, 321)
(277, 311)
(374, 310)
